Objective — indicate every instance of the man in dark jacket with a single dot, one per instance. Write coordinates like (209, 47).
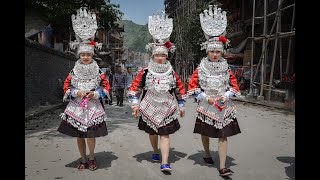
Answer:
(119, 84)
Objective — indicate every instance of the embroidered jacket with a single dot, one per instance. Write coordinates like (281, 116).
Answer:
(138, 87)
(195, 89)
(103, 90)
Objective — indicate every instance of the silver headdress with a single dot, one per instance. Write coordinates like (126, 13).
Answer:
(85, 26)
(214, 26)
(160, 27)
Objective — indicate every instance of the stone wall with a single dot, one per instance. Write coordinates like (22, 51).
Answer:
(45, 71)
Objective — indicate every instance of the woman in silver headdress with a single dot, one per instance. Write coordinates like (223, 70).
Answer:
(213, 83)
(160, 88)
(85, 87)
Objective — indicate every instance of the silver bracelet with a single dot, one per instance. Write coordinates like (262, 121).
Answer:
(207, 98)
(96, 95)
(74, 93)
(226, 97)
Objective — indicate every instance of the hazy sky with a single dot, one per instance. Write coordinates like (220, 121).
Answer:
(139, 10)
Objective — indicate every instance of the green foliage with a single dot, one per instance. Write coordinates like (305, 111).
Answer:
(58, 12)
(188, 35)
(135, 36)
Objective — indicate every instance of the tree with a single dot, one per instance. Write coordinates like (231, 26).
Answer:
(58, 12)
(187, 36)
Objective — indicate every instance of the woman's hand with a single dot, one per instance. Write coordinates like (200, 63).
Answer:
(81, 93)
(182, 112)
(210, 100)
(135, 111)
(224, 99)
(90, 94)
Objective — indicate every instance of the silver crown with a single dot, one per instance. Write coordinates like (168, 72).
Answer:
(85, 48)
(212, 44)
(160, 50)
(215, 45)
(85, 26)
(160, 27)
(84, 23)
(213, 23)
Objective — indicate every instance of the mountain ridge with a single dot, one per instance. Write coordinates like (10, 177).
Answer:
(135, 36)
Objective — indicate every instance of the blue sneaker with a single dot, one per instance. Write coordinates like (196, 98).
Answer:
(155, 157)
(165, 168)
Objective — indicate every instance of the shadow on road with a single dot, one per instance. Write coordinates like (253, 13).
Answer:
(290, 170)
(226, 177)
(104, 160)
(173, 156)
(198, 159)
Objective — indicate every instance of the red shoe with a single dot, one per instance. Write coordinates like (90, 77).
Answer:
(225, 172)
(82, 166)
(92, 164)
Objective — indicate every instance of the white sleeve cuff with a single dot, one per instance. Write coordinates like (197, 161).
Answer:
(228, 94)
(74, 92)
(96, 95)
(135, 101)
(181, 105)
(201, 96)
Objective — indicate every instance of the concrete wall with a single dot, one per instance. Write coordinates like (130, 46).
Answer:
(45, 71)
